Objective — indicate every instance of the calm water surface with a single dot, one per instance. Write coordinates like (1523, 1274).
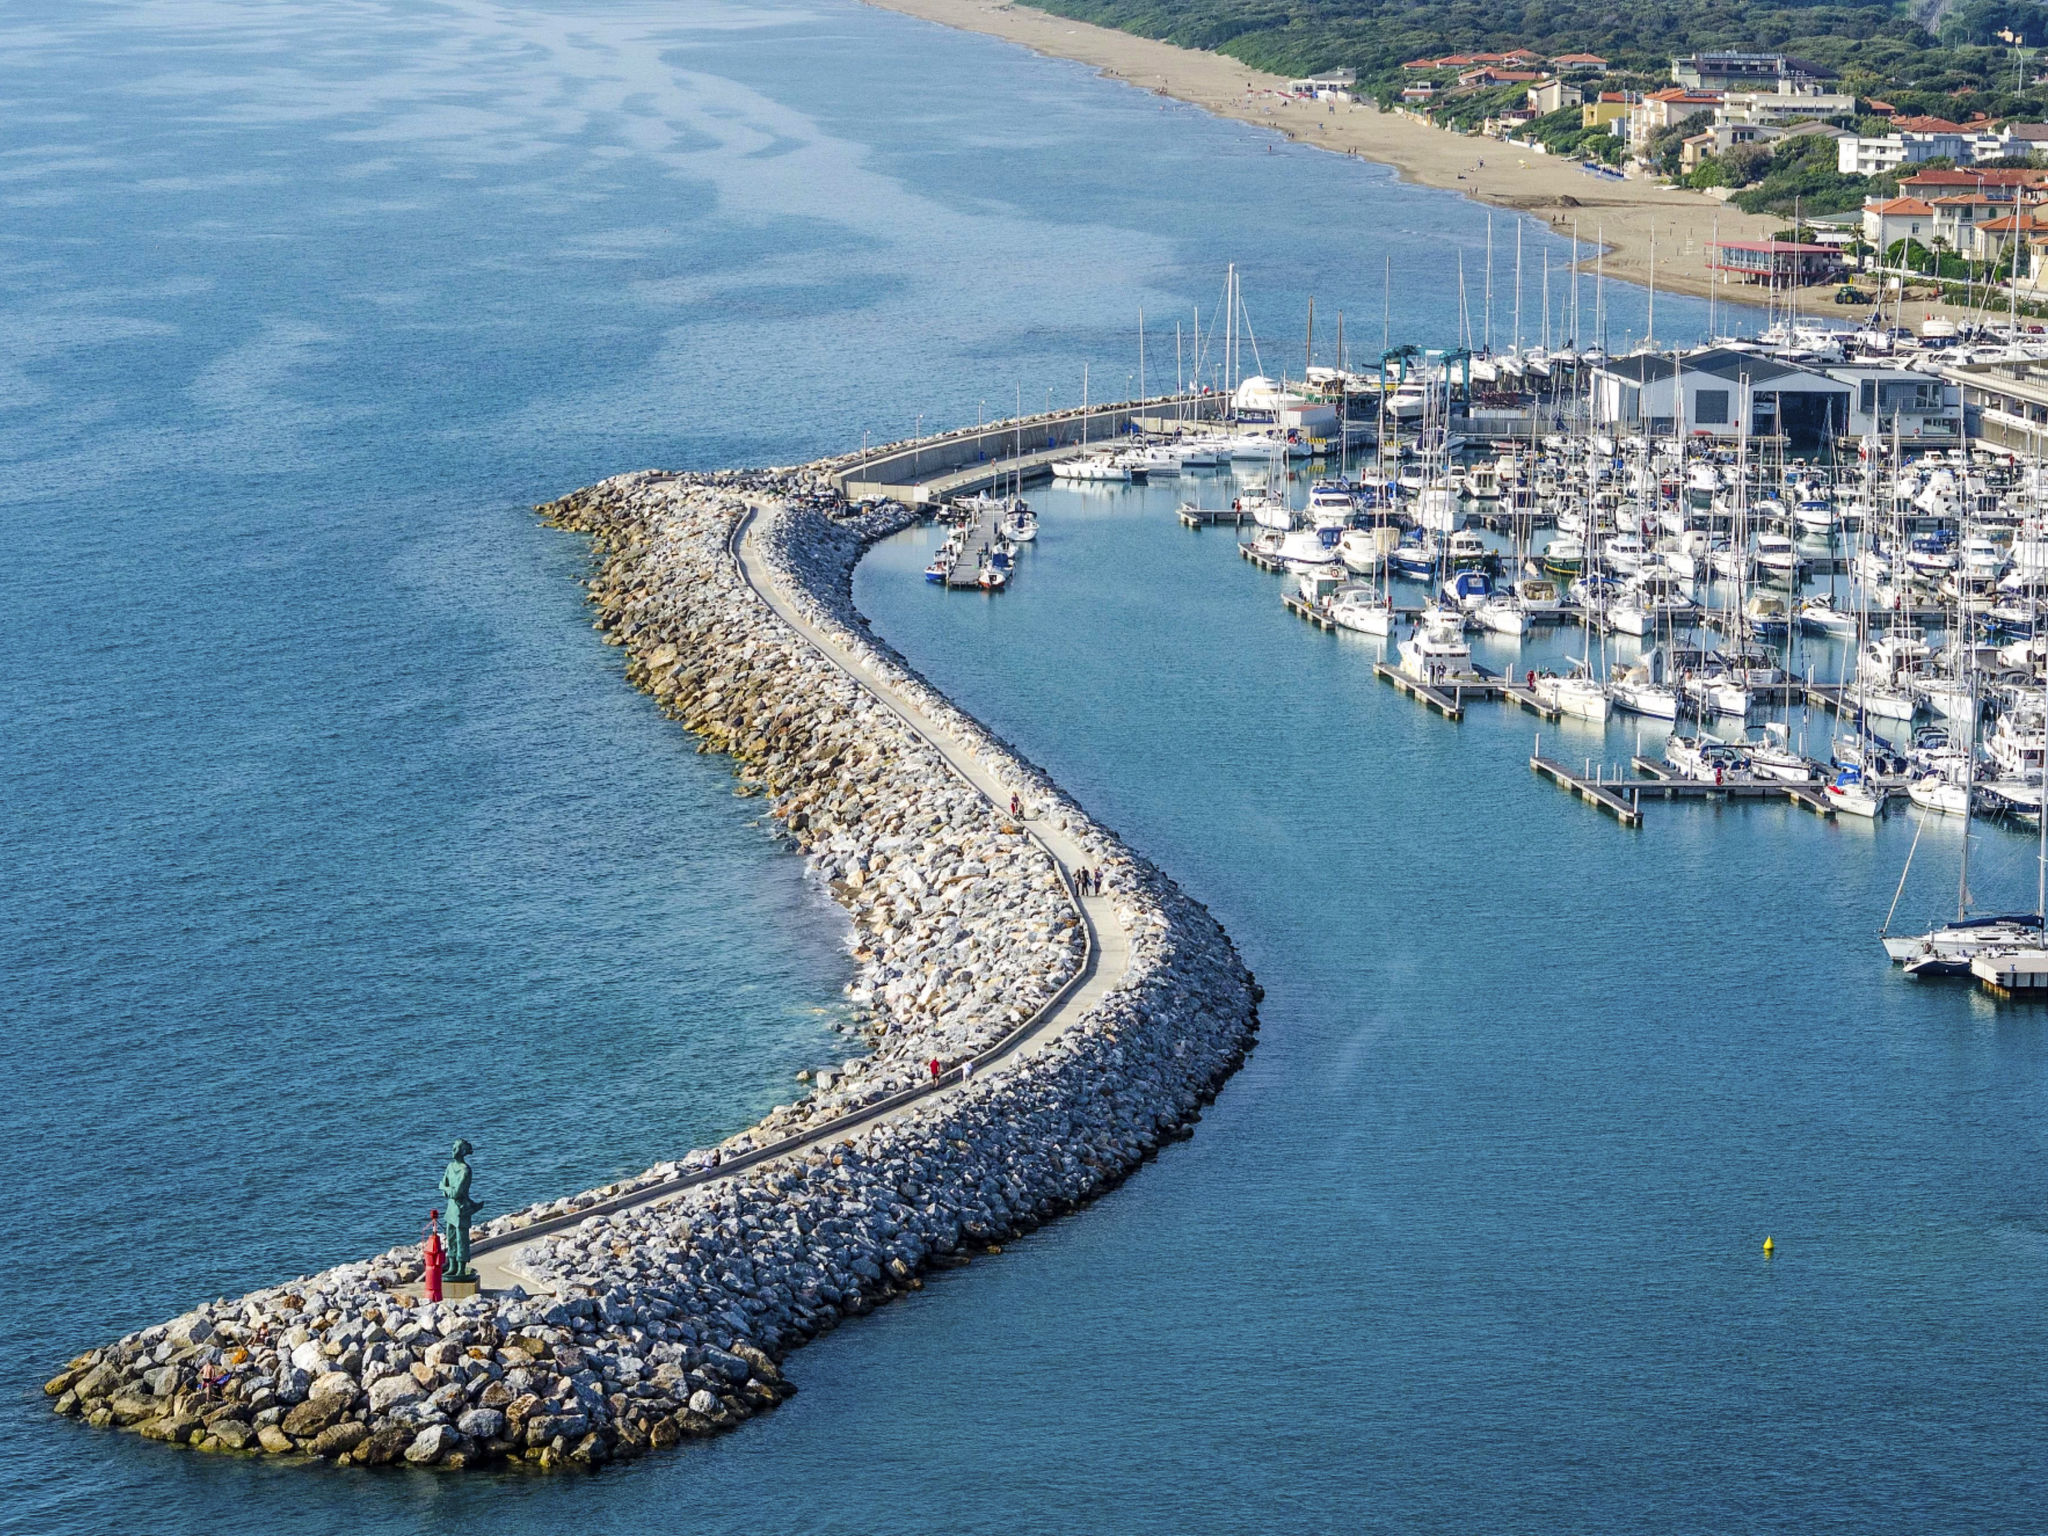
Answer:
(331, 830)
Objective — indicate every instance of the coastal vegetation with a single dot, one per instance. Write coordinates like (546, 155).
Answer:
(1966, 64)
(1978, 59)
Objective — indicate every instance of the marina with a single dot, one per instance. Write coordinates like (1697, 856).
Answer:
(384, 795)
(1831, 620)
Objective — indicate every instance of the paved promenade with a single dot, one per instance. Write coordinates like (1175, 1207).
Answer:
(1108, 946)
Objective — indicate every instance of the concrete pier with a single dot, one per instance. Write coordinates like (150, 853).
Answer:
(984, 458)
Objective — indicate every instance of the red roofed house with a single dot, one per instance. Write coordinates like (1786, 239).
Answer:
(1934, 183)
(1995, 236)
(1900, 218)
(1578, 61)
(1488, 76)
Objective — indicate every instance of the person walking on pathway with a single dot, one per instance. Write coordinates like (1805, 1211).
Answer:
(935, 1069)
(1016, 805)
(966, 1069)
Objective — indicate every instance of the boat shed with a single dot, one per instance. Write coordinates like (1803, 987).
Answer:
(1711, 392)
(1922, 411)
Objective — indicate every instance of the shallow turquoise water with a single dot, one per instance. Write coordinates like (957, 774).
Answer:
(331, 830)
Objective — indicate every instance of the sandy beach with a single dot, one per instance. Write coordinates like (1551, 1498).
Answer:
(1622, 213)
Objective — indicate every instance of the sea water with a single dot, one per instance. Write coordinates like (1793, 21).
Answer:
(333, 831)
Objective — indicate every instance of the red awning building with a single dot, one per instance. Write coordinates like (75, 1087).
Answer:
(1775, 261)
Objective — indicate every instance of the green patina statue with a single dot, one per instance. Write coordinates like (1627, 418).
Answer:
(460, 1208)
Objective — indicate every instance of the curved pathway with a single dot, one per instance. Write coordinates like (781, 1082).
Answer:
(1106, 957)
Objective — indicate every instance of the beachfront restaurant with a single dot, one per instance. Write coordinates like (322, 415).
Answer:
(1780, 263)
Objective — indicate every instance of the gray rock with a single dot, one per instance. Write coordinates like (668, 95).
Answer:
(431, 1444)
(389, 1392)
(482, 1424)
(184, 1332)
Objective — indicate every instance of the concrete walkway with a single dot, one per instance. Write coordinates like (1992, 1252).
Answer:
(1109, 951)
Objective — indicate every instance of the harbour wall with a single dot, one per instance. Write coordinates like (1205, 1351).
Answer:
(663, 1307)
(941, 464)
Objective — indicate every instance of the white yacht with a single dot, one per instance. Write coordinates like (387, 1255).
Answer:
(1704, 758)
(1096, 468)
(1772, 757)
(1641, 688)
(1363, 608)
(1437, 646)
(1577, 695)
(1303, 550)
(1364, 550)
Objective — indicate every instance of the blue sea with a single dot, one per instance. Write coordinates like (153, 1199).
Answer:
(331, 830)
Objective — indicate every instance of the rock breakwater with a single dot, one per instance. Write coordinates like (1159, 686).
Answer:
(634, 1316)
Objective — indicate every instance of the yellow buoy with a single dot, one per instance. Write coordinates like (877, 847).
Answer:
(1769, 1247)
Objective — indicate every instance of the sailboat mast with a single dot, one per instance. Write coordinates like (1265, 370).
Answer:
(1713, 245)
(1488, 331)
(1969, 794)
(1518, 287)
(1600, 286)
(1308, 345)
(1650, 340)
(1141, 352)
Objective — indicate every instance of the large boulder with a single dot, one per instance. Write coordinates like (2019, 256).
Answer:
(339, 1439)
(389, 1392)
(315, 1414)
(482, 1424)
(164, 1381)
(432, 1443)
(174, 1427)
(186, 1331)
(386, 1445)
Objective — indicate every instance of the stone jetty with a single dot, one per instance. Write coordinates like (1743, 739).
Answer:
(664, 1307)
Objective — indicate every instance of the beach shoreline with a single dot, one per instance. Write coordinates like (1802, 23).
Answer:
(1622, 215)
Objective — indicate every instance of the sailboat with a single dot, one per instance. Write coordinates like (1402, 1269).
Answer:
(1578, 693)
(1949, 949)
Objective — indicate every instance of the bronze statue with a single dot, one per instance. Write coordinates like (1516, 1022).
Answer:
(455, 1188)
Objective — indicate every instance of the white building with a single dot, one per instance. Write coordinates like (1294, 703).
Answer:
(1879, 155)
(1779, 108)
(1711, 393)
